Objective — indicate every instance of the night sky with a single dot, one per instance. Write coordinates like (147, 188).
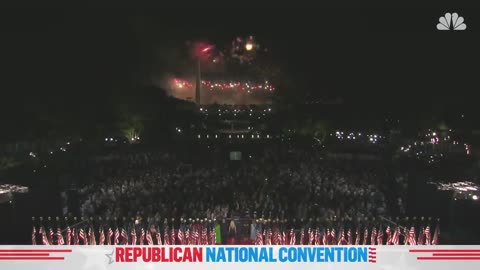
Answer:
(381, 57)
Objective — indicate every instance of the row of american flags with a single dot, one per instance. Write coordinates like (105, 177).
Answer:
(389, 236)
(199, 234)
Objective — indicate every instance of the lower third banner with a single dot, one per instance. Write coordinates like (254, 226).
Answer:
(239, 257)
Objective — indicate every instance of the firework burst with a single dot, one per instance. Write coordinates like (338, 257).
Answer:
(244, 49)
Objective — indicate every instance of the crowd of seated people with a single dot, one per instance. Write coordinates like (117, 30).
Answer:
(299, 184)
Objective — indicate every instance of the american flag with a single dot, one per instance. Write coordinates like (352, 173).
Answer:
(149, 238)
(421, 237)
(133, 236)
(209, 236)
(357, 237)
(213, 236)
(279, 237)
(76, 241)
(292, 237)
(269, 236)
(44, 236)
(406, 236)
(380, 236)
(317, 236)
(396, 236)
(412, 236)
(60, 240)
(365, 236)
(124, 237)
(311, 237)
(373, 236)
(342, 241)
(173, 240)
(34, 238)
(101, 236)
(283, 238)
(204, 236)
(196, 239)
(198, 234)
(109, 236)
(181, 239)
(50, 236)
(258, 237)
(436, 235)
(325, 237)
(91, 237)
(428, 236)
(389, 235)
(142, 236)
(166, 241)
(116, 236)
(333, 239)
(82, 237)
(68, 235)
(187, 237)
(158, 236)
(350, 237)
(302, 237)
(191, 235)
(275, 236)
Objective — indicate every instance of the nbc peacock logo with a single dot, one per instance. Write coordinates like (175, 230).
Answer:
(451, 21)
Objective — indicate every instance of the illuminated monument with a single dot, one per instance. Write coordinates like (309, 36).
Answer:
(198, 84)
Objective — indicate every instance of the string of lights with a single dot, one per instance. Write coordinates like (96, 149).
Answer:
(223, 85)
